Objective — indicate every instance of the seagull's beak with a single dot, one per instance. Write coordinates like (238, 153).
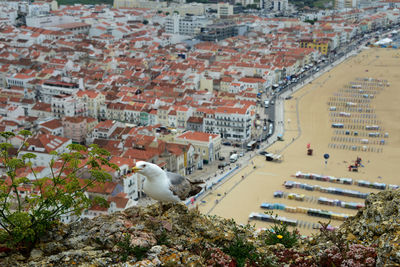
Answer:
(135, 169)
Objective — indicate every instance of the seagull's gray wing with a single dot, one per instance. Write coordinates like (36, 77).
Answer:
(181, 187)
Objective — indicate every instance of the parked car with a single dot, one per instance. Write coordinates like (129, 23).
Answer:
(223, 165)
(227, 143)
(288, 97)
(221, 158)
(263, 153)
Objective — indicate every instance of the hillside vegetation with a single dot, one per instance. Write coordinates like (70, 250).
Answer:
(183, 237)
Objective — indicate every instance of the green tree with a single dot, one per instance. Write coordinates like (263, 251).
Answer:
(25, 218)
(145, 22)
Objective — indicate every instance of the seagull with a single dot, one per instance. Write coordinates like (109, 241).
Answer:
(165, 186)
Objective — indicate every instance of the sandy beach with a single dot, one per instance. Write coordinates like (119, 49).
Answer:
(308, 121)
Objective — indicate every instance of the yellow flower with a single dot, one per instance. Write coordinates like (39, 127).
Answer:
(279, 236)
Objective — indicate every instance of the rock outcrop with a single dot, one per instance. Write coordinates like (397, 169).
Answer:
(378, 225)
(182, 237)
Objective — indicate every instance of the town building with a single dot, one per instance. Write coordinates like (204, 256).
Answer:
(53, 127)
(321, 45)
(218, 31)
(207, 145)
(230, 123)
(279, 5)
(187, 25)
(195, 124)
(67, 106)
(224, 10)
(77, 128)
(42, 145)
(51, 88)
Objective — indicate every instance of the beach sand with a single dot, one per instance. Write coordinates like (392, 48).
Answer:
(244, 196)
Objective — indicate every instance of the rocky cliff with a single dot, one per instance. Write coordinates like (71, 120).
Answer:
(182, 237)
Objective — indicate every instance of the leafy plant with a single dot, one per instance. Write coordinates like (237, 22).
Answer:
(245, 252)
(162, 239)
(279, 233)
(126, 249)
(24, 218)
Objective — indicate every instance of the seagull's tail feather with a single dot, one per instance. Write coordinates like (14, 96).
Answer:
(195, 190)
(196, 182)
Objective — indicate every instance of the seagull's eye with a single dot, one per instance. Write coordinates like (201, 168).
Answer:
(144, 165)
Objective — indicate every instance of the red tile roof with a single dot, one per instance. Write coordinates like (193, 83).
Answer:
(197, 136)
(52, 124)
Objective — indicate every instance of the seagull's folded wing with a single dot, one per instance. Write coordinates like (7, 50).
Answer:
(181, 187)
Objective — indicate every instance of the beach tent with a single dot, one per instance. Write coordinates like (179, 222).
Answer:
(337, 125)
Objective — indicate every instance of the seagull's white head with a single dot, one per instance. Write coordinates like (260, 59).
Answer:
(150, 170)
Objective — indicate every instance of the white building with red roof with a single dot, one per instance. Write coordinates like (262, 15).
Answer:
(104, 129)
(50, 88)
(42, 144)
(19, 79)
(232, 123)
(93, 101)
(52, 126)
(67, 105)
(41, 110)
(207, 145)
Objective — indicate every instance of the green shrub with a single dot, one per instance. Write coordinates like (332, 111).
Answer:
(126, 249)
(244, 252)
(24, 219)
(279, 233)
